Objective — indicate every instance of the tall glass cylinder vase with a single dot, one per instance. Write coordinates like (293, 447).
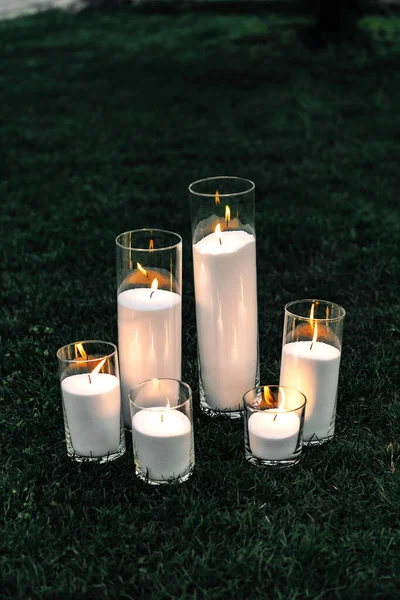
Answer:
(311, 353)
(225, 278)
(149, 288)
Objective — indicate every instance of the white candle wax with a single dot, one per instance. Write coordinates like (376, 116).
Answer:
(162, 439)
(273, 435)
(226, 313)
(93, 413)
(149, 338)
(315, 372)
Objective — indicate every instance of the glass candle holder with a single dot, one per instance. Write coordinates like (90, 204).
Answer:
(162, 431)
(273, 425)
(225, 278)
(149, 288)
(91, 400)
(311, 352)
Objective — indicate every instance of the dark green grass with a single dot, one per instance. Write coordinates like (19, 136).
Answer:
(105, 120)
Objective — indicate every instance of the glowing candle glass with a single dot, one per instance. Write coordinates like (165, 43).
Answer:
(273, 425)
(311, 352)
(225, 278)
(91, 401)
(149, 287)
(162, 430)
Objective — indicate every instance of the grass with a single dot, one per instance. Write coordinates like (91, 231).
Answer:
(106, 118)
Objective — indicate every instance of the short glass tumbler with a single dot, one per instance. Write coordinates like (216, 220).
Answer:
(149, 289)
(311, 353)
(162, 431)
(273, 425)
(225, 279)
(91, 401)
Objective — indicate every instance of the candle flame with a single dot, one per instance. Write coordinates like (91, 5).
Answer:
(312, 312)
(314, 339)
(282, 404)
(96, 370)
(227, 215)
(217, 200)
(151, 245)
(154, 286)
(268, 400)
(313, 325)
(98, 367)
(80, 349)
(218, 233)
(143, 271)
(167, 408)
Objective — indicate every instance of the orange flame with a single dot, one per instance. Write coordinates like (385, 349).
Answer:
(314, 339)
(154, 286)
(268, 400)
(227, 215)
(314, 326)
(217, 200)
(151, 245)
(143, 271)
(281, 405)
(96, 370)
(218, 233)
(312, 313)
(98, 367)
(80, 349)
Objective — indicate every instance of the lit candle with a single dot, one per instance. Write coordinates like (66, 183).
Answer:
(149, 336)
(226, 312)
(93, 409)
(162, 438)
(273, 433)
(313, 368)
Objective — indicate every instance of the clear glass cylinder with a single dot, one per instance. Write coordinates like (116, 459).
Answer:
(225, 278)
(91, 400)
(162, 430)
(311, 353)
(149, 289)
(273, 425)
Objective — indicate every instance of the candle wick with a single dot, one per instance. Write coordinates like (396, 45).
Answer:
(276, 414)
(220, 241)
(152, 293)
(162, 418)
(311, 345)
(90, 379)
(227, 223)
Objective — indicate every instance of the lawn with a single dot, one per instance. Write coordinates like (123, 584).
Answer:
(106, 118)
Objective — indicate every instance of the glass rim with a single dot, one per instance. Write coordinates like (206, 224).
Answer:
(149, 229)
(311, 300)
(160, 408)
(230, 195)
(88, 360)
(276, 410)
